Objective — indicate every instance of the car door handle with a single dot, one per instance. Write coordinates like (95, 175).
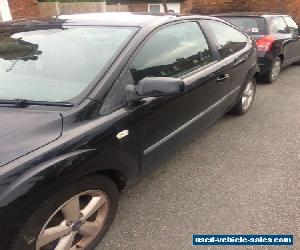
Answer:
(222, 78)
(240, 61)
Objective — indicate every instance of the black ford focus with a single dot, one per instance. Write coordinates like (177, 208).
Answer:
(90, 103)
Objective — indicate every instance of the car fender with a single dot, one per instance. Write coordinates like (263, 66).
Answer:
(67, 168)
(251, 73)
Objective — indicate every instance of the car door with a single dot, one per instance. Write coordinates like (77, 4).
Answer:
(294, 47)
(179, 50)
(284, 39)
(235, 50)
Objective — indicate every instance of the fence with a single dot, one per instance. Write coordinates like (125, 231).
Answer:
(55, 8)
(117, 7)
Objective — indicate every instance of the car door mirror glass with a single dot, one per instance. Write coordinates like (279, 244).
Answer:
(159, 86)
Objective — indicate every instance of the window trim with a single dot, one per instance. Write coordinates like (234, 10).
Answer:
(198, 22)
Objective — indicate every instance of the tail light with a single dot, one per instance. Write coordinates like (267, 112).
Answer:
(265, 43)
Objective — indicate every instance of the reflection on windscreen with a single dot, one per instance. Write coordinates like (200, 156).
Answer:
(55, 64)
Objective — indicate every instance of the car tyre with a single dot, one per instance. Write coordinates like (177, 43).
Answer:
(272, 74)
(246, 99)
(96, 197)
(297, 63)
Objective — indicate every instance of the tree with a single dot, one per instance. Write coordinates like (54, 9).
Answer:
(164, 2)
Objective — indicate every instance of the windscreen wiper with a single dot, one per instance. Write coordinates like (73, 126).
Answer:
(22, 103)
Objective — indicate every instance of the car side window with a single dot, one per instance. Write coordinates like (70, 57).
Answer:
(172, 52)
(229, 39)
(114, 100)
(278, 25)
(293, 26)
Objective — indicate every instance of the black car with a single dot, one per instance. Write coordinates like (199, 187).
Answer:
(277, 38)
(89, 103)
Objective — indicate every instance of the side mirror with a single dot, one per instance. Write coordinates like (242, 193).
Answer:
(294, 31)
(159, 86)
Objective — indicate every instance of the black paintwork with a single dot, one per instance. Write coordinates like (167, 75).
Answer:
(285, 46)
(46, 147)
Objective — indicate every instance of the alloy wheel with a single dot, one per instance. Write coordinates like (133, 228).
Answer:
(276, 69)
(248, 95)
(75, 224)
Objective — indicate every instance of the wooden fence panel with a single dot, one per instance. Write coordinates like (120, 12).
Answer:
(117, 8)
(55, 8)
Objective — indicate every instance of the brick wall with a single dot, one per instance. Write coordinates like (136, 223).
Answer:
(138, 7)
(29, 8)
(216, 6)
(293, 8)
(23, 8)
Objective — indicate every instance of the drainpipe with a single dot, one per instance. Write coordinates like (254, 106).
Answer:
(5, 14)
(164, 2)
(57, 8)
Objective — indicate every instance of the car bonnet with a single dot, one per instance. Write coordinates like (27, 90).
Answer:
(22, 131)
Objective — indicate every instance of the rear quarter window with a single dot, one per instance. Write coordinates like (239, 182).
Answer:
(293, 26)
(229, 39)
(278, 26)
(250, 25)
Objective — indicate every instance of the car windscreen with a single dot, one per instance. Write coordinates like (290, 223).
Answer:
(251, 25)
(56, 64)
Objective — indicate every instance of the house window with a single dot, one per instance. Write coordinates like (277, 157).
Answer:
(174, 7)
(159, 8)
(4, 11)
(154, 8)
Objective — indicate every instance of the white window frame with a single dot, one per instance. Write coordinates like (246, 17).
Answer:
(5, 14)
(154, 4)
(169, 5)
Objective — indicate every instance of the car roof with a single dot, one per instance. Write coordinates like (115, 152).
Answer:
(249, 14)
(105, 19)
(114, 18)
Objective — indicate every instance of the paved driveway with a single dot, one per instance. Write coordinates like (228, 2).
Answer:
(242, 176)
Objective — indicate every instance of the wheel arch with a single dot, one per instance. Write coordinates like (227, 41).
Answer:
(25, 190)
(122, 169)
(253, 72)
(116, 176)
(281, 56)
(256, 75)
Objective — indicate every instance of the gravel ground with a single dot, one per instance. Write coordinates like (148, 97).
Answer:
(242, 176)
